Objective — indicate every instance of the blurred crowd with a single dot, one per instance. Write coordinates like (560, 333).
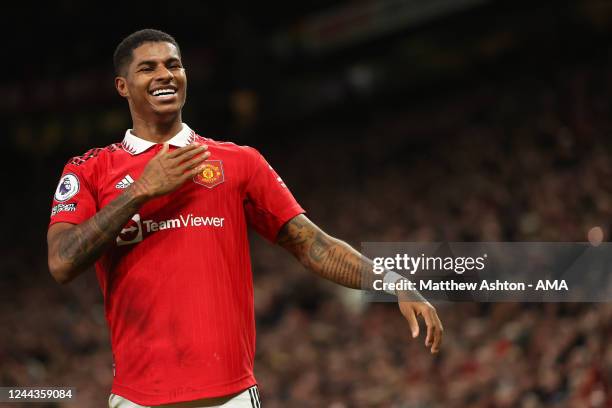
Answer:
(515, 160)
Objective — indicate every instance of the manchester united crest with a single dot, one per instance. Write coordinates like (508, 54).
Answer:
(211, 175)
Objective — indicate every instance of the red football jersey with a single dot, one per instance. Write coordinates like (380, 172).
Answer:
(177, 286)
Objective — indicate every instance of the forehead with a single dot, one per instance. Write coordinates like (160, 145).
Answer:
(155, 51)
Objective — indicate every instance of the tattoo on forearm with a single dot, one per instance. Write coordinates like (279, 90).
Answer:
(82, 245)
(319, 248)
(332, 259)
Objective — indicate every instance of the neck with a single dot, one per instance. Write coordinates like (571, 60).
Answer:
(156, 131)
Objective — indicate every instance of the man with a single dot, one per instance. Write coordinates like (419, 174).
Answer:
(164, 217)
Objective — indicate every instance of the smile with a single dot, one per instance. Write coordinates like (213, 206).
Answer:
(164, 93)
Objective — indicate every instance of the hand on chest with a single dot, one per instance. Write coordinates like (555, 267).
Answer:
(203, 203)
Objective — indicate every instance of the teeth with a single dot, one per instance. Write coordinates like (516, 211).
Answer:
(163, 91)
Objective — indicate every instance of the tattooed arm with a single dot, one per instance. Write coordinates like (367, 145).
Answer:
(327, 256)
(73, 248)
(338, 262)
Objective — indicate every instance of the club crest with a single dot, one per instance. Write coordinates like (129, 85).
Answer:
(211, 175)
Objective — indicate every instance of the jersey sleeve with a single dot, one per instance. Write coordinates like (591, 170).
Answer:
(269, 203)
(74, 200)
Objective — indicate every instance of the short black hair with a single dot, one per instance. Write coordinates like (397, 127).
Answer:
(123, 53)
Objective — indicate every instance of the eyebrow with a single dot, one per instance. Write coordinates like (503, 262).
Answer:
(152, 62)
(146, 62)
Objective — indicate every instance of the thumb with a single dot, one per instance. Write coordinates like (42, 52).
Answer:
(414, 325)
(412, 322)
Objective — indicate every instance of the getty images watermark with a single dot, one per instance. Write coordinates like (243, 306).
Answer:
(492, 271)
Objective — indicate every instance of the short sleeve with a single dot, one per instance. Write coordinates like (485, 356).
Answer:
(269, 203)
(74, 200)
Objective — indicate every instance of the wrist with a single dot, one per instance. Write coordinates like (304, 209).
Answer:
(410, 296)
(398, 281)
(139, 192)
(392, 279)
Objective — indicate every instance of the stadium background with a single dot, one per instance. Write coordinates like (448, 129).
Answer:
(390, 121)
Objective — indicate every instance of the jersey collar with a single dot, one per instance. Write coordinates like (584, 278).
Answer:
(135, 145)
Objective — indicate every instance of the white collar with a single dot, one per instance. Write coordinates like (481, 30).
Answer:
(135, 145)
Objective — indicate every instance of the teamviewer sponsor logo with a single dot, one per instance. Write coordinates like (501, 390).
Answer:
(133, 231)
(183, 222)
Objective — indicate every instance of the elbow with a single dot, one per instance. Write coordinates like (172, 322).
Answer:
(60, 272)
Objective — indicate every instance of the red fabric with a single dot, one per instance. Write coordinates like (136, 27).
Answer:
(179, 298)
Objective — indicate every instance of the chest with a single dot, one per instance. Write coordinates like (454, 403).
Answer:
(216, 190)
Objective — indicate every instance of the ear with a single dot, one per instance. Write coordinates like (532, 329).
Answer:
(121, 86)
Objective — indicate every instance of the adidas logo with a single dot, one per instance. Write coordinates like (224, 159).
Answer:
(125, 182)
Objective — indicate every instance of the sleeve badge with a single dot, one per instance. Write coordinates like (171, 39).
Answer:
(67, 188)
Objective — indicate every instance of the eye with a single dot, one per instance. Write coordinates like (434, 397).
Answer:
(145, 69)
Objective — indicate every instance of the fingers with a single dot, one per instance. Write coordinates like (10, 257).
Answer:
(182, 150)
(188, 165)
(434, 330)
(409, 313)
(163, 150)
(194, 168)
(430, 329)
(190, 153)
(439, 330)
(413, 323)
(411, 310)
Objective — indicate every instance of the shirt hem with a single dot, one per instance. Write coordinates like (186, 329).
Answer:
(173, 397)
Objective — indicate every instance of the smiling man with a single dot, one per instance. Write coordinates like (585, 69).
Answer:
(164, 216)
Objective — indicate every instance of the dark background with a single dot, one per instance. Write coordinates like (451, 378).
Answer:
(389, 120)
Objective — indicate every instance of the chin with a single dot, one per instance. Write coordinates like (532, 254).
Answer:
(168, 110)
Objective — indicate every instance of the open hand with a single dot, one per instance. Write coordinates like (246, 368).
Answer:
(166, 172)
(412, 309)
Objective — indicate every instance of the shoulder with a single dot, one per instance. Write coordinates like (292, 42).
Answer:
(92, 156)
(92, 165)
(230, 148)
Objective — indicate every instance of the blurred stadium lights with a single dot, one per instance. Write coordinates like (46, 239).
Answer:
(355, 57)
(393, 50)
(350, 24)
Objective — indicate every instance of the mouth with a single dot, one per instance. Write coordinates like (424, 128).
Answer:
(164, 94)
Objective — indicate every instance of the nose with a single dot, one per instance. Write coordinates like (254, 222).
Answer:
(165, 74)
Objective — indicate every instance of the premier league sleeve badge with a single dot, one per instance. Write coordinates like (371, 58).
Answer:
(67, 187)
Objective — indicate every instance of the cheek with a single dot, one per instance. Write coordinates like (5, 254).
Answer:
(138, 89)
(184, 86)
(181, 79)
